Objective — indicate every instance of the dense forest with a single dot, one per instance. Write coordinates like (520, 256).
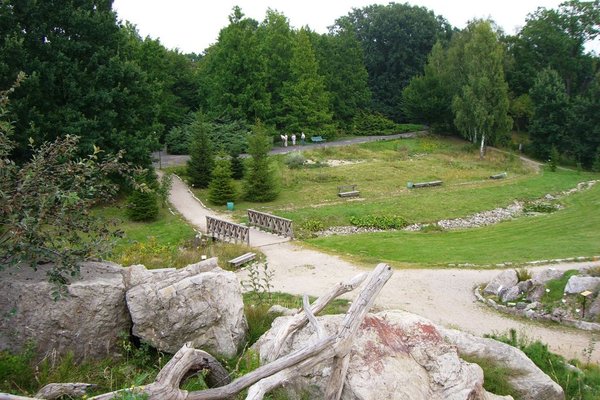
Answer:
(90, 75)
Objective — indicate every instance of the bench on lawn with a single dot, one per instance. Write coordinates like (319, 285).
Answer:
(416, 185)
(348, 191)
(317, 139)
(501, 175)
(244, 258)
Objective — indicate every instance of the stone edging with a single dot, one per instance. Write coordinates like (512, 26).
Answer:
(534, 314)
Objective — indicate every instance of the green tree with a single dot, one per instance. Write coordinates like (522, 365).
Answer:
(584, 126)
(341, 63)
(221, 188)
(556, 38)
(306, 102)
(260, 184)
(233, 72)
(396, 39)
(481, 109)
(237, 166)
(81, 79)
(552, 110)
(142, 204)
(521, 110)
(201, 162)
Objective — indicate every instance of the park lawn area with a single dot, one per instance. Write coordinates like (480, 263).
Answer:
(381, 171)
(168, 230)
(570, 232)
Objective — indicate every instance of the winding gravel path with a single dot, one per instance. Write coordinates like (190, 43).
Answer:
(444, 296)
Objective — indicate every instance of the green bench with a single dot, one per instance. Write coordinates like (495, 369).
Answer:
(317, 139)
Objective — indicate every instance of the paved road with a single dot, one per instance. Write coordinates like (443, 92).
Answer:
(162, 159)
(442, 295)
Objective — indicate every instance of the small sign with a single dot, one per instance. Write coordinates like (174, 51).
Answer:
(585, 293)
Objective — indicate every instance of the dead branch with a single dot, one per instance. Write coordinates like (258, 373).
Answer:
(56, 390)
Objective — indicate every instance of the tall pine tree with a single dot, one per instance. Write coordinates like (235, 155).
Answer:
(260, 184)
(221, 188)
(201, 162)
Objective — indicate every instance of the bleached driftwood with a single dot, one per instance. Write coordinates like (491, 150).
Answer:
(280, 370)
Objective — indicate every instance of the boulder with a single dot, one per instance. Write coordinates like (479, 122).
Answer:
(201, 304)
(578, 284)
(511, 294)
(87, 321)
(524, 286)
(536, 293)
(505, 279)
(594, 309)
(395, 355)
(525, 377)
(542, 277)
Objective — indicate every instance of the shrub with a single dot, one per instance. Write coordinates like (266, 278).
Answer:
(294, 160)
(379, 221)
(523, 274)
(372, 124)
(539, 207)
(142, 205)
(221, 188)
(554, 159)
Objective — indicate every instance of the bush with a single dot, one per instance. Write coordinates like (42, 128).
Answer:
(142, 205)
(539, 207)
(366, 124)
(221, 188)
(294, 160)
(178, 140)
(379, 221)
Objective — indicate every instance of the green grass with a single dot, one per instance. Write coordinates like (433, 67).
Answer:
(556, 288)
(495, 377)
(570, 232)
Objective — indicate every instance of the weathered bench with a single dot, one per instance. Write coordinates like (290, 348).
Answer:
(416, 185)
(348, 191)
(244, 258)
(501, 175)
(317, 139)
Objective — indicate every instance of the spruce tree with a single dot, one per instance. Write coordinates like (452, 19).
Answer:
(142, 205)
(237, 166)
(201, 161)
(260, 184)
(221, 188)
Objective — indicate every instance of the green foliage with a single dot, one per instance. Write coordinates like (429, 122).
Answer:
(201, 162)
(539, 207)
(221, 188)
(554, 159)
(379, 221)
(45, 207)
(258, 282)
(521, 110)
(295, 160)
(581, 384)
(178, 140)
(237, 167)
(142, 205)
(396, 39)
(260, 184)
(555, 288)
(495, 377)
(596, 165)
(523, 274)
(367, 124)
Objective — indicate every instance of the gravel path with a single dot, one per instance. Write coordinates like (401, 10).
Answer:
(444, 296)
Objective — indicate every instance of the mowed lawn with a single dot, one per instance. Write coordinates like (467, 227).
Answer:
(570, 232)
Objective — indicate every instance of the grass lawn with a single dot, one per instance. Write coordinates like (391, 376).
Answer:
(573, 231)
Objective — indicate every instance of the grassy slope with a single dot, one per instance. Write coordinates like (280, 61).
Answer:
(572, 231)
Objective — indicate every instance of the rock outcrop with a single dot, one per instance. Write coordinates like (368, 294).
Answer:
(395, 355)
(87, 321)
(201, 304)
(528, 380)
(578, 284)
(504, 280)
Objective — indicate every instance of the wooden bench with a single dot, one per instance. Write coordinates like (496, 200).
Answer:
(317, 139)
(244, 258)
(501, 175)
(416, 185)
(348, 191)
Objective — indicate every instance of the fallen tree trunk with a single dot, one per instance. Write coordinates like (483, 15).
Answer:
(277, 372)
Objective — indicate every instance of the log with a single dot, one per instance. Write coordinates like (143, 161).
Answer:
(55, 390)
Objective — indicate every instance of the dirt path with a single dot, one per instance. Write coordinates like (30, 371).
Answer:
(444, 296)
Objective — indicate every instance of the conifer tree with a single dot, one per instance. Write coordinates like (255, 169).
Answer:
(201, 161)
(221, 188)
(260, 184)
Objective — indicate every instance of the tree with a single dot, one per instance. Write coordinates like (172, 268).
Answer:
(552, 110)
(481, 108)
(584, 126)
(201, 162)
(221, 188)
(341, 63)
(556, 39)
(260, 184)
(396, 39)
(305, 100)
(81, 79)
(45, 206)
(142, 205)
(237, 166)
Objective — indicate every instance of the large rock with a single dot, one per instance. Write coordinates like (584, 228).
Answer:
(525, 377)
(506, 279)
(87, 321)
(578, 284)
(395, 355)
(511, 294)
(201, 304)
(542, 277)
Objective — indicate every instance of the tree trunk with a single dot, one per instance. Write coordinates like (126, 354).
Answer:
(482, 147)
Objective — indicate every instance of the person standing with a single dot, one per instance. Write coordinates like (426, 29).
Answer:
(285, 139)
(293, 139)
(302, 138)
